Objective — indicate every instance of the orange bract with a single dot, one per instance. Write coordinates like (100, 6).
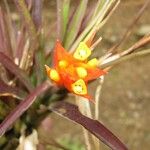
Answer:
(73, 71)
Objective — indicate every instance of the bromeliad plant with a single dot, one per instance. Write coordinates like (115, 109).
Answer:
(25, 92)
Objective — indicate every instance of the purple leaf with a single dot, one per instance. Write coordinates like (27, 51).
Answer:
(71, 112)
(37, 13)
(23, 106)
(13, 68)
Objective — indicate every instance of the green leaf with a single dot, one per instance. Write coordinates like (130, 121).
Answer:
(65, 16)
(75, 23)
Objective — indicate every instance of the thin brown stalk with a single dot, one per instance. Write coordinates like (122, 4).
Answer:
(142, 42)
(131, 27)
(96, 43)
(24, 58)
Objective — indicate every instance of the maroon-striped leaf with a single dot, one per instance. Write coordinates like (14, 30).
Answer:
(72, 113)
(23, 106)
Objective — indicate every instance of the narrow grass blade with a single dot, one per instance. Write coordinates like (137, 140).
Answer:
(118, 60)
(98, 7)
(13, 68)
(72, 113)
(94, 22)
(75, 23)
(65, 16)
(22, 107)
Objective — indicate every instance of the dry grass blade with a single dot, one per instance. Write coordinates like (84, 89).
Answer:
(5, 44)
(13, 68)
(23, 106)
(71, 112)
(114, 58)
(142, 42)
(20, 44)
(125, 58)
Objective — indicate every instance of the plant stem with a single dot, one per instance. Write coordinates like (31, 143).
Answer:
(85, 109)
(125, 58)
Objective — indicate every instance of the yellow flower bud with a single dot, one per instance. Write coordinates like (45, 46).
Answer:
(93, 62)
(79, 87)
(82, 73)
(54, 75)
(82, 52)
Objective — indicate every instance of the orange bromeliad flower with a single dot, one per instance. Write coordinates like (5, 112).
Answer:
(73, 71)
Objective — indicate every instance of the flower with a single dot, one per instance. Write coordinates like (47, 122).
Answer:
(73, 71)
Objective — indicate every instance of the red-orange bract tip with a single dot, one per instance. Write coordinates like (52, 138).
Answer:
(68, 70)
